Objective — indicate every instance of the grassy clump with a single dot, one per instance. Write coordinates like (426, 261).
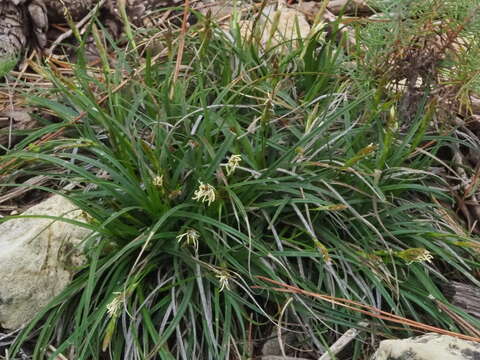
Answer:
(329, 195)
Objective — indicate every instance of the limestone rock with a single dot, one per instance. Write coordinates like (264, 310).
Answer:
(286, 24)
(277, 27)
(428, 347)
(38, 258)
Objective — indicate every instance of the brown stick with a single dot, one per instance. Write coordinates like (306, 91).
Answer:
(181, 45)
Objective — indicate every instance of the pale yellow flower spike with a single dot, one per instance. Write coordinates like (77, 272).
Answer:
(425, 256)
(204, 193)
(223, 278)
(158, 181)
(233, 163)
(191, 237)
(114, 306)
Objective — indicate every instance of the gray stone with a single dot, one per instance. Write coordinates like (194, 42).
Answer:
(273, 347)
(38, 258)
(428, 347)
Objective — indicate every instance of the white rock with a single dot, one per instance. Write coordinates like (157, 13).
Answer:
(281, 25)
(278, 27)
(428, 347)
(37, 259)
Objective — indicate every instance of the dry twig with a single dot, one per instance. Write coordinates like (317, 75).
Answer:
(367, 310)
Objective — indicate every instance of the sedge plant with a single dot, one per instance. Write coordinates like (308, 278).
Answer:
(252, 162)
